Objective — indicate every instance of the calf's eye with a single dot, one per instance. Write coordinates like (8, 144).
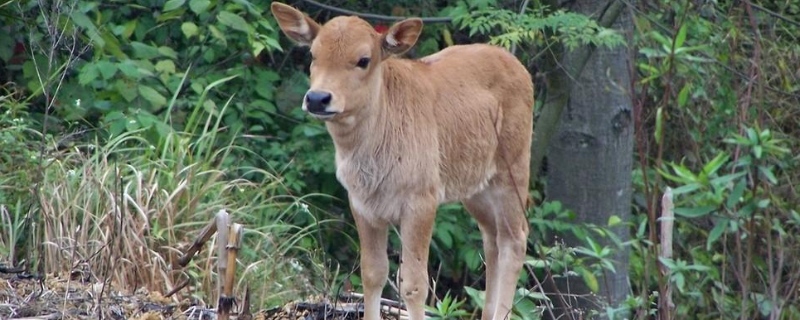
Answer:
(363, 63)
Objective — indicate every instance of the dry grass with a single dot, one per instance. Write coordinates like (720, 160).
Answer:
(123, 212)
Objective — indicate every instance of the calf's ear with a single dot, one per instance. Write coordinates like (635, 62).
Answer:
(401, 36)
(295, 24)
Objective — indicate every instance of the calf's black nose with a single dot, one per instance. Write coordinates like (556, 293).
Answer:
(317, 101)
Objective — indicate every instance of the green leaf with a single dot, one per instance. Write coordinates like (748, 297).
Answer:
(472, 259)
(144, 51)
(752, 136)
(686, 188)
(219, 82)
(537, 263)
(106, 68)
(680, 281)
(715, 233)
(172, 15)
(669, 263)
(659, 124)
(712, 166)
(144, 67)
(82, 20)
(589, 279)
(211, 107)
(685, 173)
(526, 308)
(199, 6)
(767, 172)
(112, 45)
(478, 297)
(173, 4)
(313, 130)
(766, 134)
(129, 28)
(614, 220)
(697, 267)
(189, 29)
(681, 37)
(445, 237)
(117, 126)
(165, 66)
(152, 95)
(257, 48)
(233, 21)
(795, 216)
(683, 95)
(695, 212)
(127, 89)
(736, 194)
(88, 74)
(217, 35)
(113, 115)
(724, 180)
(167, 52)
(146, 119)
(272, 42)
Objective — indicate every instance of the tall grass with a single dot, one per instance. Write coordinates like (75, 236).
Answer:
(123, 210)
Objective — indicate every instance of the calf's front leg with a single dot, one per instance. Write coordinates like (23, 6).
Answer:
(374, 262)
(416, 227)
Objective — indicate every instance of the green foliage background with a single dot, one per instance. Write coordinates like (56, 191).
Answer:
(715, 123)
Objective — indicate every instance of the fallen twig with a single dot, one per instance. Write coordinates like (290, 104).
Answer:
(178, 287)
(52, 316)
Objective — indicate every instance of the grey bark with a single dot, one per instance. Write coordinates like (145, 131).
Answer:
(559, 84)
(590, 155)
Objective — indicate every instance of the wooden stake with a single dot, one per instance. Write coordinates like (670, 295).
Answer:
(667, 223)
(226, 299)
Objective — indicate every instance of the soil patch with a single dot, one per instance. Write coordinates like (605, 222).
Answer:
(26, 297)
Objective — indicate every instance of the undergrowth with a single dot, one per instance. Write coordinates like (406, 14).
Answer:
(121, 211)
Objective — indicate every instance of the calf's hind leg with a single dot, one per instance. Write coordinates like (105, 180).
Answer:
(489, 234)
(504, 228)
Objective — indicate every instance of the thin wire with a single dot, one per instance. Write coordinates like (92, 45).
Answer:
(372, 16)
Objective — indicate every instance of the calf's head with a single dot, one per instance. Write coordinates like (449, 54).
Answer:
(346, 56)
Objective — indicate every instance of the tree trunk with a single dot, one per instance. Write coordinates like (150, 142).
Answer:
(590, 156)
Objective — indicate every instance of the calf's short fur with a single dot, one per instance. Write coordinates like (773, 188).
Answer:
(412, 134)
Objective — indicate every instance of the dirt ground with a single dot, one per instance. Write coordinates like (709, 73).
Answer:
(56, 297)
(28, 297)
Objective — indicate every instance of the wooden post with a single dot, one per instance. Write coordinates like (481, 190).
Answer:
(226, 298)
(667, 223)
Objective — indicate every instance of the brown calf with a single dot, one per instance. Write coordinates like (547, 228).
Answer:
(410, 135)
